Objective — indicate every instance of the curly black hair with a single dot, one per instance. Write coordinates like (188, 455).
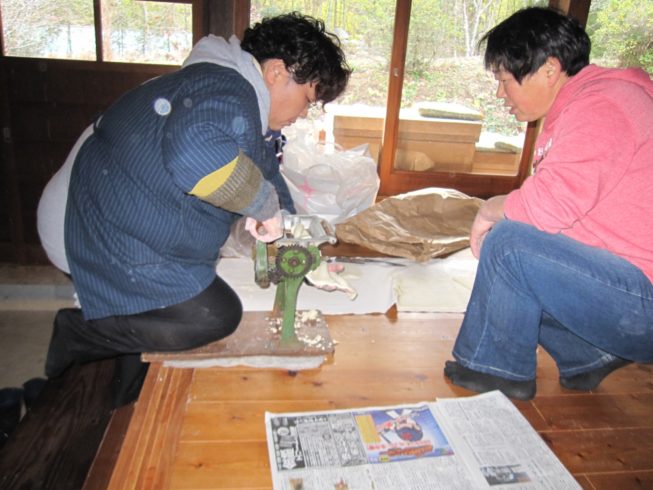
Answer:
(309, 52)
(522, 43)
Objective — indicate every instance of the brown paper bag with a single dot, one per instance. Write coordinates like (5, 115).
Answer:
(418, 225)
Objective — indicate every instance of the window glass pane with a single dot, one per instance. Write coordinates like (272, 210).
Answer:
(451, 120)
(146, 32)
(365, 30)
(621, 33)
(48, 29)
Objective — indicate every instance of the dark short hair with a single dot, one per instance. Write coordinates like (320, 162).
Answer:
(308, 51)
(522, 43)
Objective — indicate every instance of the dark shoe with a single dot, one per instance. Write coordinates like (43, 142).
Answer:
(483, 382)
(32, 389)
(59, 357)
(128, 377)
(11, 403)
(589, 380)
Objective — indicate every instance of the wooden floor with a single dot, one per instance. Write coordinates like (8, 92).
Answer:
(204, 428)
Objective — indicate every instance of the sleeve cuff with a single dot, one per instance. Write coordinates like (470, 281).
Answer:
(239, 187)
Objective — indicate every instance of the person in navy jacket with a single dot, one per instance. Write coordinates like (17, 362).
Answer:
(158, 181)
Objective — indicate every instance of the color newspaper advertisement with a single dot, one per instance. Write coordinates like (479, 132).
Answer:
(455, 443)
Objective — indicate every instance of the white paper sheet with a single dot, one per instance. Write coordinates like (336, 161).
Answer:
(372, 281)
(436, 286)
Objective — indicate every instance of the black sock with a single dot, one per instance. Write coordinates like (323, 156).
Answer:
(31, 390)
(589, 380)
(483, 382)
(58, 359)
(11, 401)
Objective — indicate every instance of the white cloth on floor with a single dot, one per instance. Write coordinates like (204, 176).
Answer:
(372, 281)
(438, 285)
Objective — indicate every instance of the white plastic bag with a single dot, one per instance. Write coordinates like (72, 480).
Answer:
(334, 185)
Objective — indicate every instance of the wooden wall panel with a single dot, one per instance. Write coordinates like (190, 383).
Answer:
(25, 79)
(48, 104)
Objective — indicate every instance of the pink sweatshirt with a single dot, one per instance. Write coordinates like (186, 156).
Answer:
(593, 163)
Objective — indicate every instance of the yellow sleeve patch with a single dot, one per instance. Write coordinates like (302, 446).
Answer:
(210, 183)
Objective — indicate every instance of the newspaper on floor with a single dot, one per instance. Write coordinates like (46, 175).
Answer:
(458, 443)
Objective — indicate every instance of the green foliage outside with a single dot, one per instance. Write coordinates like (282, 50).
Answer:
(622, 32)
(443, 62)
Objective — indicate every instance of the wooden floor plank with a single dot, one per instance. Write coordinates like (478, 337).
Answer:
(584, 482)
(169, 417)
(131, 456)
(603, 438)
(222, 465)
(148, 451)
(636, 480)
(592, 411)
(238, 421)
(601, 450)
(99, 475)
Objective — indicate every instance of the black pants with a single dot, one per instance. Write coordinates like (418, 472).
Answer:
(211, 315)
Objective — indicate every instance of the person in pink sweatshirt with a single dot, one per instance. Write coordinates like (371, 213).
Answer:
(565, 261)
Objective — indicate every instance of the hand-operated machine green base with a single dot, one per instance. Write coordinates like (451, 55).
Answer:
(285, 263)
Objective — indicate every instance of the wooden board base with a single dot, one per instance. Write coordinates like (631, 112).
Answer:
(258, 335)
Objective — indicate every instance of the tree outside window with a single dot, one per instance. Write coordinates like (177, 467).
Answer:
(132, 30)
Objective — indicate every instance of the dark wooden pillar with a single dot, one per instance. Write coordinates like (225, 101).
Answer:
(579, 9)
(221, 17)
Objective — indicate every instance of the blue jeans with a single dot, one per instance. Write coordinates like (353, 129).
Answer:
(584, 305)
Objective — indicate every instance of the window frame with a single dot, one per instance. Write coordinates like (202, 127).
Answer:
(199, 27)
(97, 18)
(395, 181)
(234, 16)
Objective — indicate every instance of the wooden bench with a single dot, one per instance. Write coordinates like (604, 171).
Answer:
(56, 442)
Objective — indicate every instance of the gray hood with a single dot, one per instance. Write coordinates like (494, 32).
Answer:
(214, 49)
